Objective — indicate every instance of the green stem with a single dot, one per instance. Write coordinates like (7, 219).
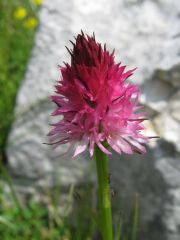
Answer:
(104, 194)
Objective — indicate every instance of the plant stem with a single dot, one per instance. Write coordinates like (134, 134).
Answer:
(104, 194)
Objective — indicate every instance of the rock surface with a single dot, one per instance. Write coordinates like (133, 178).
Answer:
(145, 34)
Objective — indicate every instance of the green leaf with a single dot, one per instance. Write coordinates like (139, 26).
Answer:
(6, 222)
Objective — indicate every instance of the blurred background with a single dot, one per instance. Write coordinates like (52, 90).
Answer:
(45, 196)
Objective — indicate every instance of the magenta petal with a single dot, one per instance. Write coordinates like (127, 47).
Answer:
(79, 149)
(103, 149)
(114, 145)
(137, 145)
(124, 146)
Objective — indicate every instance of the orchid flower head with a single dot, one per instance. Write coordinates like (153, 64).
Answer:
(95, 103)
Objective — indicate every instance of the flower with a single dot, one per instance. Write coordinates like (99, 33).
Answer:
(30, 23)
(95, 102)
(37, 2)
(20, 13)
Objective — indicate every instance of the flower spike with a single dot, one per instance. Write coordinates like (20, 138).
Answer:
(95, 103)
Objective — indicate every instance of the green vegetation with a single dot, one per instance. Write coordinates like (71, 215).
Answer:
(48, 220)
(44, 220)
(18, 20)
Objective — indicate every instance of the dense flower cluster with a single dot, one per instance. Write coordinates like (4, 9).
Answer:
(96, 103)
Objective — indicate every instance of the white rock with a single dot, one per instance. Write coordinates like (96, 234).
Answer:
(145, 34)
(133, 40)
(169, 129)
(156, 94)
(170, 169)
(175, 106)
